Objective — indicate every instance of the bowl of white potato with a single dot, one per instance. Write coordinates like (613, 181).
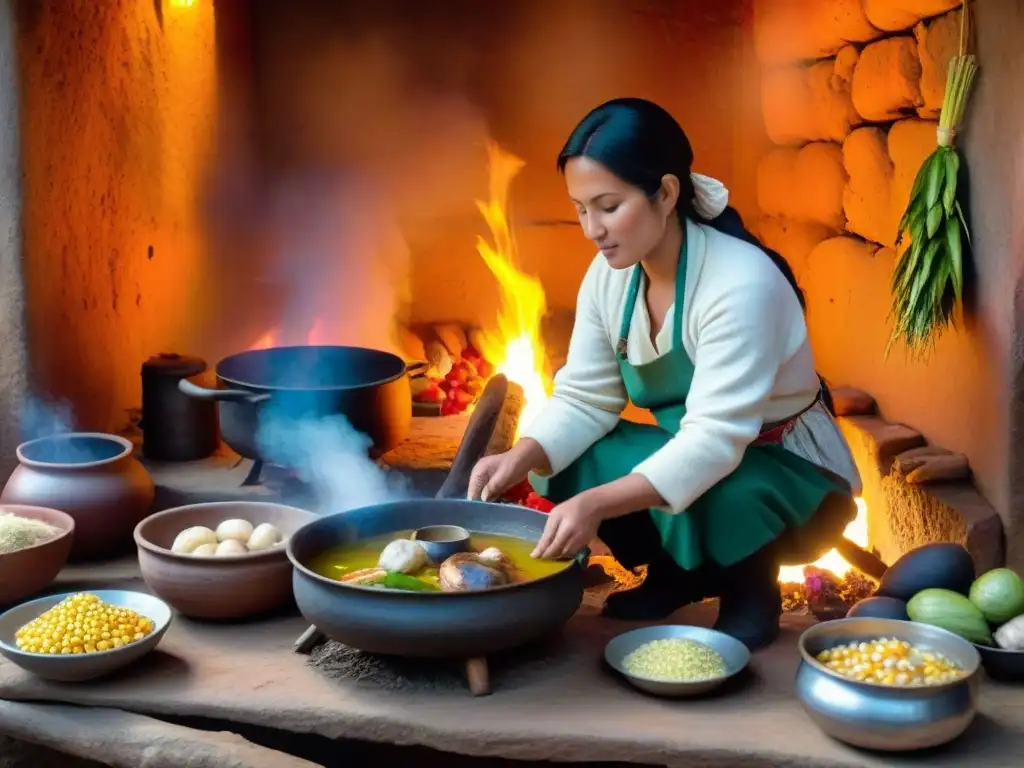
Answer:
(220, 560)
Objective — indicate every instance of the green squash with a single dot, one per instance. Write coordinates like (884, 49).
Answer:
(999, 594)
(950, 611)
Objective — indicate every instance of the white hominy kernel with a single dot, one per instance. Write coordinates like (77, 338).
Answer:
(675, 660)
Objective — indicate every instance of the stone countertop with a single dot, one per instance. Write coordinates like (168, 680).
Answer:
(569, 709)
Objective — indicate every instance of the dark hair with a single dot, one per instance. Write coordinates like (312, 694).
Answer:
(640, 143)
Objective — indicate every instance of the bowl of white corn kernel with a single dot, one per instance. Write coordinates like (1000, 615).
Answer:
(81, 636)
(676, 660)
(889, 685)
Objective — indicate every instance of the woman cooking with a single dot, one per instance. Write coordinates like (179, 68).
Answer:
(683, 313)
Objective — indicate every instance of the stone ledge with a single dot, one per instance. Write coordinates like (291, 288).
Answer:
(128, 740)
(916, 514)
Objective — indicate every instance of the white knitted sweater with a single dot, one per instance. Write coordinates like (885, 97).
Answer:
(743, 328)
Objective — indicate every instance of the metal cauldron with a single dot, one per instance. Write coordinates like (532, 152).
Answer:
(886, 718)
(431, 624)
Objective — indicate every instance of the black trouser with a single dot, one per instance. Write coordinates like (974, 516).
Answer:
(633, 539)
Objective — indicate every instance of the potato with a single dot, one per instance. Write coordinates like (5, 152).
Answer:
(186, 542)
(264, 537)
(231, 547)
(403, 556)
(204, 550)
(236, 530)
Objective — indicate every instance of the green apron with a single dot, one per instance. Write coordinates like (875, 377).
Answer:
(773, 493)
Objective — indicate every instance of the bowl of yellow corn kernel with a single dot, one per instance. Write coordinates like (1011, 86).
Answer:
(888, 685)
(83, 635)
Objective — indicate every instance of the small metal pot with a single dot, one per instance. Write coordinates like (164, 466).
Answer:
(175, 427)
(886, 718)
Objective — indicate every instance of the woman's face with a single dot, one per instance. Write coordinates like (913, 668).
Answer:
(625, 223)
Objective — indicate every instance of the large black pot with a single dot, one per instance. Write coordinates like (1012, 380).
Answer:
(431, 624)
(367, 386)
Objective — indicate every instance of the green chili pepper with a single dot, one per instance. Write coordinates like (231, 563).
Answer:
(396, 580)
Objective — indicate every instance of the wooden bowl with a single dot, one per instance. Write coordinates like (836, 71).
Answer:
(229, 587)
(26, 571)
(87, 666)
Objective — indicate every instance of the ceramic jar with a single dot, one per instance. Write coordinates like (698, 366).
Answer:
(91, 476)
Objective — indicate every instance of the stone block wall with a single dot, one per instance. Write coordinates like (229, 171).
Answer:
(851, 104)
(851, 93)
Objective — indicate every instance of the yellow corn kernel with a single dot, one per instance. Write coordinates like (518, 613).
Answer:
(889, 661)
(82, 623)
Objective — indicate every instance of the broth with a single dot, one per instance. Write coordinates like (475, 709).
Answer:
(339, 561)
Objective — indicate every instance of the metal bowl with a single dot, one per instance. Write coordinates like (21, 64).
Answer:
(886, 718)
(1001, 664)
(442, 541)
(732, 651)
(85, 666)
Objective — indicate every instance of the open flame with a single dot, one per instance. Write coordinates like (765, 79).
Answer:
(514, 347)
(315, 336)
(856, 531)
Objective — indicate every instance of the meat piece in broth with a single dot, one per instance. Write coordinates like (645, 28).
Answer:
(471, 571)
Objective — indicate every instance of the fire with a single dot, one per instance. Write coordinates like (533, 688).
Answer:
(515, 348)
(856, 531)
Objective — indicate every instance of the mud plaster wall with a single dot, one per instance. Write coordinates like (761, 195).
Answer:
(522, 73)
(853, 124)
(13, 358)
(117, 114)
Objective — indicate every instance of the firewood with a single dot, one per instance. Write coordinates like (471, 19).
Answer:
(453, 337)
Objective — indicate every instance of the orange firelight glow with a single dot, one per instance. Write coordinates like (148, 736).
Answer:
(856, 531)
(514, 347)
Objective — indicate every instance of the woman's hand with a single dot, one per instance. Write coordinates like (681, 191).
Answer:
(571, 526)
(493, 475)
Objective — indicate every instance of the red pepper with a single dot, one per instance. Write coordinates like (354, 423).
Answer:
(539, 503)
(518, 493)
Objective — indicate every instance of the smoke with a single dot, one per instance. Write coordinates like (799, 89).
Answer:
(330, 457)
(341, 263)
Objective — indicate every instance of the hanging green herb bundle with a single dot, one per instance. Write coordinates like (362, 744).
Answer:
(927, 284)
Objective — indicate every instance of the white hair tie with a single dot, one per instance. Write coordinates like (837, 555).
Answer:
(710, 196)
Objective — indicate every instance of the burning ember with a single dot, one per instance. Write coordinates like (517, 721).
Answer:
(830, 585)
(833, 562)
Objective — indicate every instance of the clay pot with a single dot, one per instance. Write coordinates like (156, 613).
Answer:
(91, 476)
(26, 571)
(228, 587)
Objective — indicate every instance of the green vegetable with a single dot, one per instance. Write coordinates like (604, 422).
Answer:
(927, 283)
(396, 580)
(999, 594)
(951, 611)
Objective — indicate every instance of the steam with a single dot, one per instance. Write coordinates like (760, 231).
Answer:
(331, 457)
(42, 418)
